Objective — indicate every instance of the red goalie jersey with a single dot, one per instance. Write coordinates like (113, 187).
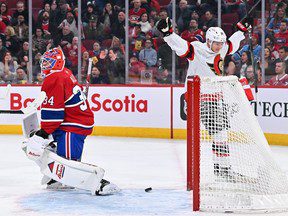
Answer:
(65, 106)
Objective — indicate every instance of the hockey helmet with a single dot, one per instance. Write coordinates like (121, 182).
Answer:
(215, 34)
(52, 59)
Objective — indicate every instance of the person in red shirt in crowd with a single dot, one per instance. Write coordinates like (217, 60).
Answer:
(135, 66)
(5, 13)
(281, 38)
(136, 12)
(2, 27)
(71, 52)
(281, 78)
(95, 49)
(49, 28)
(193, 33)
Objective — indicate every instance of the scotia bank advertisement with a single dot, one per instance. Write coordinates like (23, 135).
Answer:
(113, 106)
(146, 111)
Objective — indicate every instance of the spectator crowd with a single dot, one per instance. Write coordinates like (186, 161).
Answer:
(102, 27)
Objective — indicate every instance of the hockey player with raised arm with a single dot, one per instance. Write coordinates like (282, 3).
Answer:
(206, 60)
(66, 115)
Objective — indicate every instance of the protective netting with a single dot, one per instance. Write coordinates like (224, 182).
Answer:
(237, 170)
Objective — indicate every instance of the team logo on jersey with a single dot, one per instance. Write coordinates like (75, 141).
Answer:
(218, 65)
(60, 171)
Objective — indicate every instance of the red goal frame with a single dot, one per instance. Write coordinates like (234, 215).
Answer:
(193, 139)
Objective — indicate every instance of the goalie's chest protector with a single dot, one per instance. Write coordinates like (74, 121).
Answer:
(204, 62)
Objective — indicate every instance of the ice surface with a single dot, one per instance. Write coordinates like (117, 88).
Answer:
(132, 163)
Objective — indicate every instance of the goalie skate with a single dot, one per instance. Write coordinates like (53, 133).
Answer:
(107, 188)
(228, 175)
(54, 185)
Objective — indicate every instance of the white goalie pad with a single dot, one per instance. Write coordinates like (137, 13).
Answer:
(68, 172)
(30, 124)
(72, 173)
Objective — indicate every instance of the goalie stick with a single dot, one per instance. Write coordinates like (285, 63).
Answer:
(5, 95)
(88, 76)
(30, 108)
(248, 13)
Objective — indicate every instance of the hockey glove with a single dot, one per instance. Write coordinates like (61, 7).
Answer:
(35, 145)
(243, 27)
(165, 26)
(40, 133)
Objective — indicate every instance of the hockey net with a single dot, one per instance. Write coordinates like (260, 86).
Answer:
(230, 167)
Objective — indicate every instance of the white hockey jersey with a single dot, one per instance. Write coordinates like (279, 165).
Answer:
(202, 61)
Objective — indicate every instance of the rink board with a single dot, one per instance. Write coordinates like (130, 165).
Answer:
(148, 111)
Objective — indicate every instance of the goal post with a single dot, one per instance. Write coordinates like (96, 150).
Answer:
(230, 166)
(193, 135)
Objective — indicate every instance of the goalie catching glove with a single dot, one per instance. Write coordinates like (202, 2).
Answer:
(35, 145)
(165, 26)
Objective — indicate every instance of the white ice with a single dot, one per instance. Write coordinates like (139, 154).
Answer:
(132, 163)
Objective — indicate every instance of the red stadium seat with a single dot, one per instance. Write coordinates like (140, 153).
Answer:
(106, 43)
(11, 4)
(164, 2)
(88, 44)
(230, 18)
(228, 22)
(35, 12)
(37, 4)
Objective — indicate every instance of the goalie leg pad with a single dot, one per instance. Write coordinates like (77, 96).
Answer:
(72, 173)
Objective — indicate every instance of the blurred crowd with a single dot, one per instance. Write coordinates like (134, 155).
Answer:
(102, 27)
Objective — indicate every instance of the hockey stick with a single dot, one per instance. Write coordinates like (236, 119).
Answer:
(248, 13)
(88, 76)
(5, 95)
(32, 106)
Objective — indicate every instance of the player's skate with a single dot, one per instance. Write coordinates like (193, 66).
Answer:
(107, 188)
(228, 175)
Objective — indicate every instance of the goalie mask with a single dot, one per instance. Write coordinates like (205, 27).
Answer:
(52, 59)
(215, 34)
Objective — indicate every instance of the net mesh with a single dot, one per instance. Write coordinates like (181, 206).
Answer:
(237, 170)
